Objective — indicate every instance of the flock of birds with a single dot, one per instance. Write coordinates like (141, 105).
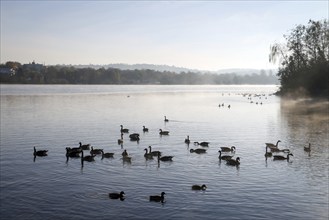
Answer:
(78, 152)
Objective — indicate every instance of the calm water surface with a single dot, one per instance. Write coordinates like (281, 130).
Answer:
(56, 117)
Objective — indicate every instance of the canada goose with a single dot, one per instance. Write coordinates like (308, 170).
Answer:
(187, 140)
(148, 155)
(124, 130)
(165, 158)
(158, 198)
(233, 162)
(198, 151)
(40, 153)
(107, 155)
(198, 187)
(126, 159)
(166, 119)
(88, 158)
(70, 153)
(117, 195)
(279, 157)
(280, 150)
(145, 129)
(267, 154)
(228, 149)
(154, 153)
(74, 149)
(134, 137)
(308, 149)
(95, 151)
(84, 146)
(270, 145)
(163, 132)
(125, 153)
(224, 157)
(120, 141)
(203, 144)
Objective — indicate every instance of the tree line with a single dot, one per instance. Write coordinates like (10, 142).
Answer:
(71, 75)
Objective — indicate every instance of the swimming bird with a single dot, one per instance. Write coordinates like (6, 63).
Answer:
(95, 151)
(117, 195)
(224, 157)
(187, 140)
(279, 150)
(70, 153)
(107, 155)
(166, 119)
(120, 141)
(145, 129)
(124, 153)
(270, 145)
(158, 198)
(165, 158)
(154, 153)
(124, 130)
(134, 137)
(203, 144)
(228, 149)
(84, 146)
(88, 158)
(233, 162)
(279, 157)
(267, 154)
(198, 187)
(40, 153)
(148, 156)
(163, 132)
(308, 149)
(198, 151)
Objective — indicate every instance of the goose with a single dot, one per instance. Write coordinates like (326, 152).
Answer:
(228, 149)
(279, 157)
(233, 162)
(280, 150)
(117, 195)
(134, 137)
(148, 155)
(165, 158)
(126, 159)
(267, 154)
(145, 129)
(124, 130)
(158, 198)
(95, 151)
(198, 187)
(203, 144)
(107, 155)
(84, 146)
(40, 153)
(120, 141)
(88, 158)
(308, 149)
(224, 157)
(163, 132)
(74, 149)
(187, 140)
(154, 153)
(70, 153)
(166, 119)
(198, 151)
(125, 153)
(270, 145)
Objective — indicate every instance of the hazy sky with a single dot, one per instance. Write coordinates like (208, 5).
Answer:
(205, 35)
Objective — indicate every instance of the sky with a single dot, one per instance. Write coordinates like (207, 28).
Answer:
(204, 35)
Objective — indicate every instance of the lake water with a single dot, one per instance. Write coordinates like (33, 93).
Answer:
(54, 117)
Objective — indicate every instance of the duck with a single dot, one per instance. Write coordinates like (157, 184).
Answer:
(70, 153)
(228, 149)
(120, 141)
(308, 149)
(84, 146)
(163, 132)
(154, 153)
(271, 145)
(165, 158)
(166, 119)
(279, 157)
(233, 162)
(158, 198)
(203, 144)
(88, 158)
(107, 155)
(148, 155)
(198, 187)
(145, 129)
(198, 151)
(267, 154)
(224, 157)
(134, 137)
(187, 140)
(117, 195)
(95, 151)
(40, 153)
(124, 130)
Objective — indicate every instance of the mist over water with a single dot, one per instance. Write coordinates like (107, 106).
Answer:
(57, 116)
